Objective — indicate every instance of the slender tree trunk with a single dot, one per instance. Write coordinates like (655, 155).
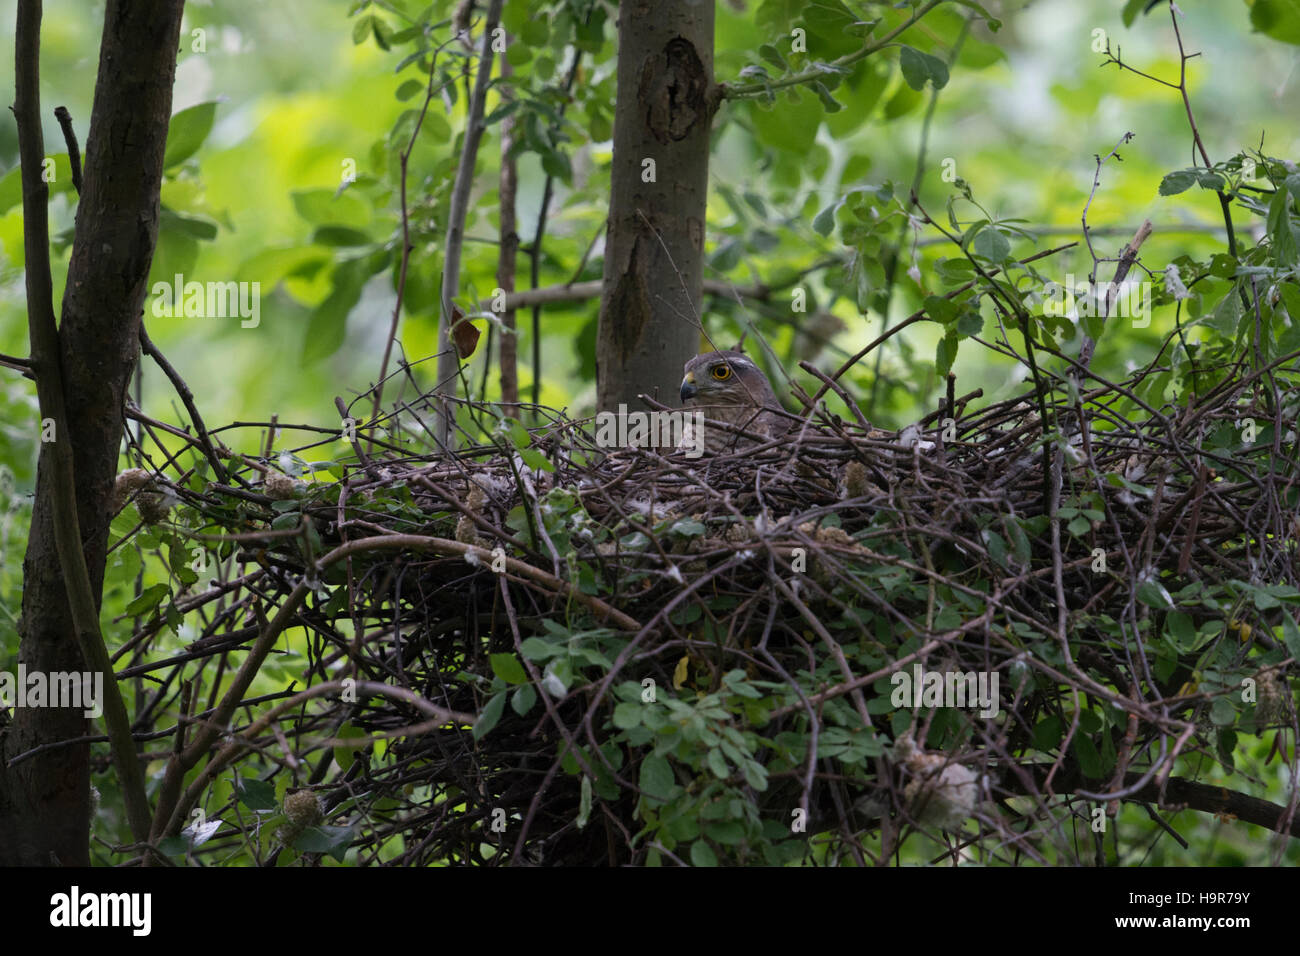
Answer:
(448, 356)
(509, 249)
(45, 800)
(650, 309)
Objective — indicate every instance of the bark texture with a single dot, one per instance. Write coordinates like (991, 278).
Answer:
(45, 800)
(650, 310)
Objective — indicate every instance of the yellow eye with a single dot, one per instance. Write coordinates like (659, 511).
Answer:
(722, 372)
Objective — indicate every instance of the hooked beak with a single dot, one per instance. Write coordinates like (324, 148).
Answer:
(688, 387)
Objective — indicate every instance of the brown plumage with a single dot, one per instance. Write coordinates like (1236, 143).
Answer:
(729, 387)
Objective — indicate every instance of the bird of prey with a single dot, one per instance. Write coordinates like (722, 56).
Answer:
(729, 387)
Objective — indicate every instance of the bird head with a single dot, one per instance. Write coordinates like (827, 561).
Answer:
(725, 378)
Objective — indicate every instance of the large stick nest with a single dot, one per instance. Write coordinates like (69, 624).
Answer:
(651, 646)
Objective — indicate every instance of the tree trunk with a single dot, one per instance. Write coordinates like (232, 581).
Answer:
(507, 189)
(45, 800)
(650, 309)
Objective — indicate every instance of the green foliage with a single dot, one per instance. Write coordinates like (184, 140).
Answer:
(286, 171)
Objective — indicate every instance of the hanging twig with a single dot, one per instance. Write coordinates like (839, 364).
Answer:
(448, 356)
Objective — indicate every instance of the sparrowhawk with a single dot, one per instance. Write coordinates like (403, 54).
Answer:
(729, 387)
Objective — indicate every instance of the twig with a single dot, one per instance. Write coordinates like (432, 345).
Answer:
(187, 398)
(742, 90)
(535, 248)
(70, 138)
(448, 356)
(506, 264)
(429, 92)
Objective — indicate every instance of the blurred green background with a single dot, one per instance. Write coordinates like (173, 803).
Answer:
(301, 91)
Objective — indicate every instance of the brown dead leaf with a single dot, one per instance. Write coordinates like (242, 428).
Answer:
(463, 333)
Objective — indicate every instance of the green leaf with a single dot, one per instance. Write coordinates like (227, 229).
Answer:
(149, 599)
(492, 711)
(322, 839)
(717, 763)
(992, 22)
(325, 207)
(1175, 183)
(409, 89)
(535, 31)
(327, 325)
(954, 271)
(1047, 734)
(519, 436)
(787, 126)
(536, 649)
(584, 802)
(755, 774)
(1264, 600)
(1279, 19)
(627, 715)
(1131, 9)
(1280, 231)
(344, 755)
(1019, 540)
(339, 237)
(997, 546)
(990, 243)
(1153, 594)
(175, 845)
(773, 56)
(729, 832)
(501, 112)
(1089, 759)
(727, 256)
(941, 309)
(919, 67)
(556, 163)
(256, 794)
(196, 227)
(1209, 179)
(1181, 630)
(656, 778)
(535, 460)
(508, 668)
(904, 100)
(702, 854)
(828, 17)
(1291, 635)
(824, 221)
(1223, 266)
(522, 700)
(687, 528)
(1222, 713)
(914, 69)
(970, 323)
(589, 30)
(829, 103)
(187, 131)
(946, 352)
